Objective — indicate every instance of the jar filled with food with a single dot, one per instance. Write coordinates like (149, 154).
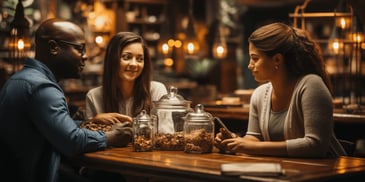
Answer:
(169, 112)
(143, 132)
(199, 131)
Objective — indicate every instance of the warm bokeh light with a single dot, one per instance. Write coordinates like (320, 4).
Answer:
(343, 22)
(177, 43)
(336, 46)
(165, 48)
(219, 51)
(100, 21)
(20, 44)
(168, 62)
(191, 47)
(99, 39)
(358, 37)
(171, 42)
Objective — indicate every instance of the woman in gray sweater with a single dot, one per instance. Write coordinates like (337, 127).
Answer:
(291, 110)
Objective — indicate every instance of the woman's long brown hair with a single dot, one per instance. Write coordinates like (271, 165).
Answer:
(111, 81)
(302, 55)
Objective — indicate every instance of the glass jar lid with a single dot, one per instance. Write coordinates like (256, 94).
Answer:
(143, 116)
(199, 114)
(172, 98)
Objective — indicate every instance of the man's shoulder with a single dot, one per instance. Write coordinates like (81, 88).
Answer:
(31, 76)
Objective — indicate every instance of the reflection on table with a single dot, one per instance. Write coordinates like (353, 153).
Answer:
(180, 166)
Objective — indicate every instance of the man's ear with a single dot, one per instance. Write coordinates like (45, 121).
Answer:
(53, 47)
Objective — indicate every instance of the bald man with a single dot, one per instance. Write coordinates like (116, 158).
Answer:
(36, 126)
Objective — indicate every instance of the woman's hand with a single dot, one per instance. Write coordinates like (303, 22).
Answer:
(253, 146)
(110, 118)
(245, 144)
(222, 135)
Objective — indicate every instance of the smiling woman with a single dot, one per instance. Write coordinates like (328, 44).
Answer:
(127, 79)
(131, 63)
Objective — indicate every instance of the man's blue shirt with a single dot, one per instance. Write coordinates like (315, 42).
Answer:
(36, 124)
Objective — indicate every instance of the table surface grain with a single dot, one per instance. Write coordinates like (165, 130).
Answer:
(181, 166)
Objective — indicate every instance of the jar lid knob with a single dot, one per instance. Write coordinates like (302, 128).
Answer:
(172, 96)
(199, 114)
(143, 116)
(199, 108)
(172, 91)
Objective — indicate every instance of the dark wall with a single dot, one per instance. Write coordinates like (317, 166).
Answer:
(259, 14)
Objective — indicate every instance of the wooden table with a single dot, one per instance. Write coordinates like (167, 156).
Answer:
(180, 166)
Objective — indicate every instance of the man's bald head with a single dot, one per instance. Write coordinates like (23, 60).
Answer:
(57, 29)
(60, 45)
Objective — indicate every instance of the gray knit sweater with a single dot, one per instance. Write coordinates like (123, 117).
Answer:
(308, 126)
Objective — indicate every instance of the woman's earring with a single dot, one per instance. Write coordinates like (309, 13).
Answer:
(276, 67)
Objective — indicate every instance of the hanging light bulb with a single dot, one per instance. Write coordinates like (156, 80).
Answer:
(19, 42)
(164, 44)
(357, 34)
(337, 38)
(357, 39)
(191, 46)
(219, 46)
(336, 46)
(343, 16)
(165, 47)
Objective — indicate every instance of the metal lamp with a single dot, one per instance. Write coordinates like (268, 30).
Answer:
(19, 41)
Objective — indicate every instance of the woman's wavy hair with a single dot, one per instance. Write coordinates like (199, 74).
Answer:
(302, 55)
(111, 81)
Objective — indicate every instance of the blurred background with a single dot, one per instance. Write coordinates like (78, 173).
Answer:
(198, 46)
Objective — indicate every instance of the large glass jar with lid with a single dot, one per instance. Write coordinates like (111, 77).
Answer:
(199, 131)
(170, 111)
(143, 132)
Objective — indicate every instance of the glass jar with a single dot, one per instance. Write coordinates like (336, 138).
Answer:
(143, 132)
(199, 131)
(169, 112)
